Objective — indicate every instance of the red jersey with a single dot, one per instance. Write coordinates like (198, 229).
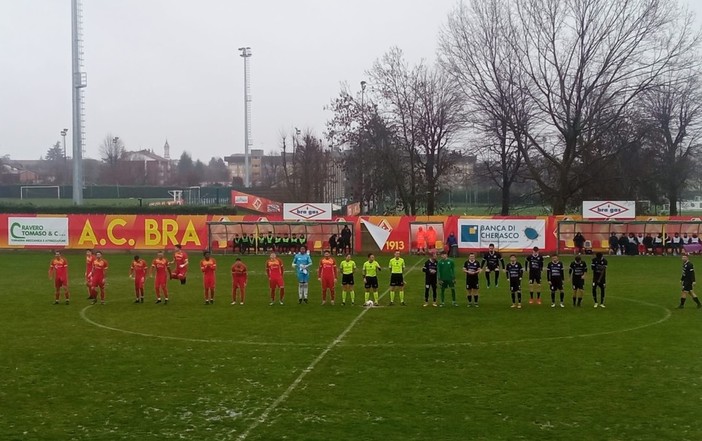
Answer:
(208, 267)
(99, 268)
(161, 267)
(327, 268)
(59, 266)
(89, 264)
(138, 269)
(274, 268)
(239, 270)
(180, 258)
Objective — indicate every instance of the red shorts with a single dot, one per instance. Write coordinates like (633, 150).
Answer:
(59, 282)
(276, 282)
(98, 283)
(209, 282)
(139, 283)
(160, 283)
(327, 283)
(88, 281)
(239, 282)
(180, 271)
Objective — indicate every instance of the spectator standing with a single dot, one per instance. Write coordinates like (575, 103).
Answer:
(579, 242)
(452, 243)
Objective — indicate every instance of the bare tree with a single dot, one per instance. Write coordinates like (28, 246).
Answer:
(587, 61)
(674, 111)
(112, 153)
(307, 167)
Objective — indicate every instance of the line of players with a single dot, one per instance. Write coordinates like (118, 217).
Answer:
(437, 273)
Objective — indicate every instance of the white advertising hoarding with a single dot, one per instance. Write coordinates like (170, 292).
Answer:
(506, 234)
(307, 212)
(37, 231)
(605, 210)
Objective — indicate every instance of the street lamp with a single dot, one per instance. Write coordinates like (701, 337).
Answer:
(64, 132)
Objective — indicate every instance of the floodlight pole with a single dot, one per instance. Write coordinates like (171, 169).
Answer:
(78, 82)
(246, 54)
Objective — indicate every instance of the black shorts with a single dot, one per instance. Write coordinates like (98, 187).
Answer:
(371, 282)
(397, 280)
(534, 276)
(430, 282)
(347, 279)
(515, 285)
(556, 284)
(578, 283)
(687, 286)
(472, 282)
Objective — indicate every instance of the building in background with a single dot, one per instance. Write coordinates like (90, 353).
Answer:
(236, 165)
(144, 167)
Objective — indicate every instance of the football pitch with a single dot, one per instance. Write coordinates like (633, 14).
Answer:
(187, 370)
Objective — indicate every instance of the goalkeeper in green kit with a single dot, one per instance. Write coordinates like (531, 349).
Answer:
(447, 277)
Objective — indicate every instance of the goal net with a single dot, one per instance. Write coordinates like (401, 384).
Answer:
(226, 237)
(40, 192)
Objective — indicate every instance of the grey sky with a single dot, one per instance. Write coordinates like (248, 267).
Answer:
(162, 69)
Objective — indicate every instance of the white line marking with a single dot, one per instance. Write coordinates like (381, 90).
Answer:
(195, 340)
(266, 413)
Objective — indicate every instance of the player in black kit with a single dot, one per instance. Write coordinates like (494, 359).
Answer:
(492, 262)
(599, 276)
(554, 275)
(577, 271)
(472, 270)
(430, 278)
(688, 282)
(535, 266)
(515, 271)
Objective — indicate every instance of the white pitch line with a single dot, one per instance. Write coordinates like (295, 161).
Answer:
(284, 396)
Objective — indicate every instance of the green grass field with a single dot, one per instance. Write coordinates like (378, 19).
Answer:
(307, 372)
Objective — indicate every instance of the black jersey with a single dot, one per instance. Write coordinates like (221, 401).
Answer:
(430, 270)
(554, 270)
(688, 272)
(535, 263)
(515, 271)
(492, 260)
(474, 266)
(599, 269)
(577, 269)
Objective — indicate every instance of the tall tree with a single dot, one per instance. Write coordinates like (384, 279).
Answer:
(307, 167)
(57, 164)
(217, 171)
(112, 152)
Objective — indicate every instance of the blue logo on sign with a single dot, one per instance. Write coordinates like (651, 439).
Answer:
(470, 233)
(531, 233)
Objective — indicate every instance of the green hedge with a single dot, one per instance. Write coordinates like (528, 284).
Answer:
(108, 209)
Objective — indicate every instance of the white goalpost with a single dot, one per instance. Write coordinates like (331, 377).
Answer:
(40, 192)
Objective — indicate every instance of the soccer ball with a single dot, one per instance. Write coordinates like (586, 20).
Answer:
(369, 303)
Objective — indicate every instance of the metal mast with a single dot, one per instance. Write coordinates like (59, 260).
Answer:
(246, 54)
(78, 83)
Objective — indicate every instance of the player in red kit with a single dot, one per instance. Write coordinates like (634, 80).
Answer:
(239, 276)
(98, 276)
(327, 275)
(138, 272)
(58, 270)
(275, 270)
(89, 259)
(180, 262)
(208, 266)
(160, 269)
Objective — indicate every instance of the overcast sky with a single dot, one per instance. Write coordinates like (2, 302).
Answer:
(170, 69)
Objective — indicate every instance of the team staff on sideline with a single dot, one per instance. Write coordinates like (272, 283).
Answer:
(275, 271)
(554, 275)
(447, 277)
(492, 262)
(430, 270)
(688, 282)
(208, 266)
(137, 271)
(535, 266)
(472, 269)
(599, 278)
(58, 270)
(370, 278)
(239, 280)
(347, 268)
(577, 272)
(161, 267)
(302, 261)
(397, 281)
(515, 272)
